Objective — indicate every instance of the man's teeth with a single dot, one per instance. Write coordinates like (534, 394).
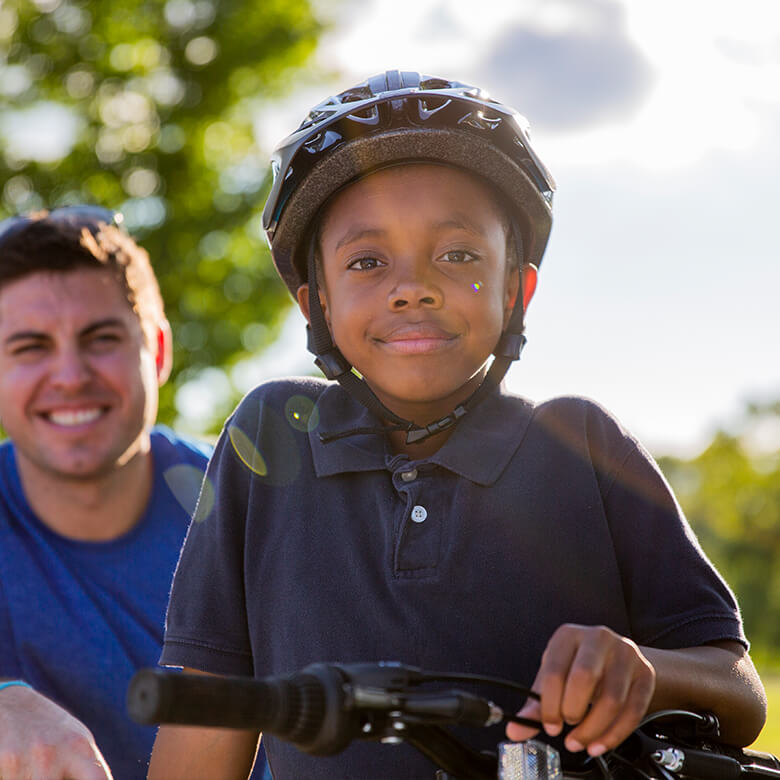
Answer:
(74, 417)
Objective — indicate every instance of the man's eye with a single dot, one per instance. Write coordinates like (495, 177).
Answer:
(27, 349)
(104, 340)
(365, 263)
(459, 256)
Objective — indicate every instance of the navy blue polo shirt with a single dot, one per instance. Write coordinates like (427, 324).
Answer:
(528, 517)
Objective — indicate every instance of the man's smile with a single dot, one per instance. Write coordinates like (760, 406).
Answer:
(71, 418)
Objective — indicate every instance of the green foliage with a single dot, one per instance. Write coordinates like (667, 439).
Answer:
(769, 739)
(731, 496)
(155, 103)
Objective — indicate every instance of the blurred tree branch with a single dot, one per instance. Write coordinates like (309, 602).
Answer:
(148, 106)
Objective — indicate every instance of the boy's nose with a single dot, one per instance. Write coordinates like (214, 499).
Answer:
(414, 290)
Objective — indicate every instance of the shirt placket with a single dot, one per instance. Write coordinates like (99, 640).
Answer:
(418, 544)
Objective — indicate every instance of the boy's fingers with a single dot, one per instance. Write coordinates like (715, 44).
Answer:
(621, 703)
(553, 673)
(596, 680)
(518, 733)
(605, 711)
(629, 716)
(586, 677)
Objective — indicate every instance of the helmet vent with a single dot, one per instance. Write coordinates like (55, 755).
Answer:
(367, 116)
(429, 105)
(435, 83)
(321, 141)
(362, 92)
(479, 120)
(320, 112)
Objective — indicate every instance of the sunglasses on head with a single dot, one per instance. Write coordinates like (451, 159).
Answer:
(78, 216)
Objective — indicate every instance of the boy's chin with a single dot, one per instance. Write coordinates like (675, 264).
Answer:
(423, 405)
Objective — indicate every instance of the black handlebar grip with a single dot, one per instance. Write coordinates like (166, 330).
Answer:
(307, 708)
(159, 696)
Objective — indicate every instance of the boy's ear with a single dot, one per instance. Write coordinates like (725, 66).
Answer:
(302, 294)
(527, 275)
(164, 355)
(530, 275)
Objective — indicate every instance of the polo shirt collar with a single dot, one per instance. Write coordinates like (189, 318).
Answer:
(479, 449)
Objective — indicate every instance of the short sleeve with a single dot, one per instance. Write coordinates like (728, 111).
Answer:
(206, 626)
(676, 598)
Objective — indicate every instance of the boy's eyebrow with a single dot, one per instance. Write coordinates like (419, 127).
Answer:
(458, 221)
(357, 233)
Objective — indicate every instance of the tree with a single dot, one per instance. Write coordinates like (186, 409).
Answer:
(731, 495)
(148, 106)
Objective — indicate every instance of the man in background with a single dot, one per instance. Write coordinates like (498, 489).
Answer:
(94, 499)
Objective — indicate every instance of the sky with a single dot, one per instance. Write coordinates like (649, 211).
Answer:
(660, 121)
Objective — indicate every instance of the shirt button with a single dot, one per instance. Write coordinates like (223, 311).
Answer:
(419, 513)
(409, 476)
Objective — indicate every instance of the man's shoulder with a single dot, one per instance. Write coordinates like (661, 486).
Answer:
(6, 450)
(11, 493)
(171, 447)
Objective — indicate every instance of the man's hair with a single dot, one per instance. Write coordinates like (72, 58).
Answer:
(50, 245)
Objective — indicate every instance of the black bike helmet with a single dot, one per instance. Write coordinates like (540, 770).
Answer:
(394, 118)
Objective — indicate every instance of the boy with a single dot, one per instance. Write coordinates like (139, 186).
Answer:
(94, 500)
(425, 515)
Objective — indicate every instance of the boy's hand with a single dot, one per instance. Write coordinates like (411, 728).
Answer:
(593, 679)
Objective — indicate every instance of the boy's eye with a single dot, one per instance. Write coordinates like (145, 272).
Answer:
(459, 256)
(365, 263)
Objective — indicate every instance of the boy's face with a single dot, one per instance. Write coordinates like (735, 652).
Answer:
(416, 288)
(78, 377)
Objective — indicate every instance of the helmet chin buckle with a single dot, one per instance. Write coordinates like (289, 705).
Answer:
(332, 364)
(511, 345)
(330, 361)
(415, 435)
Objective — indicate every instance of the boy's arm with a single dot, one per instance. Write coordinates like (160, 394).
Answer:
(195, 753)
(718, 678)
(603, 684)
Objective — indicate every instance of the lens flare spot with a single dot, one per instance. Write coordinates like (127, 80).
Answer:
(205, 501)
(184, 481)
(246, 451)
(301, 413)
(476, 286)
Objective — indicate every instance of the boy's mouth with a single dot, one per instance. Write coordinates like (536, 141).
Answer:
(417, 338)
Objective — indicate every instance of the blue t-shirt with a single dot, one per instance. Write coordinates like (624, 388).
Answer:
(77, 619)
(529, 516)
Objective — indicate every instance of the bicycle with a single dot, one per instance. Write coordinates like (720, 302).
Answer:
(324, 707)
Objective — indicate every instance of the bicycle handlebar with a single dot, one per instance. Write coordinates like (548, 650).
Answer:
(324, 707)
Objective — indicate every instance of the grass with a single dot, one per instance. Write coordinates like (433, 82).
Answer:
(769, 739)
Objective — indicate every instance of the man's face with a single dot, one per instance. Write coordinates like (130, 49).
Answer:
(416, 286)
(78, 380)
